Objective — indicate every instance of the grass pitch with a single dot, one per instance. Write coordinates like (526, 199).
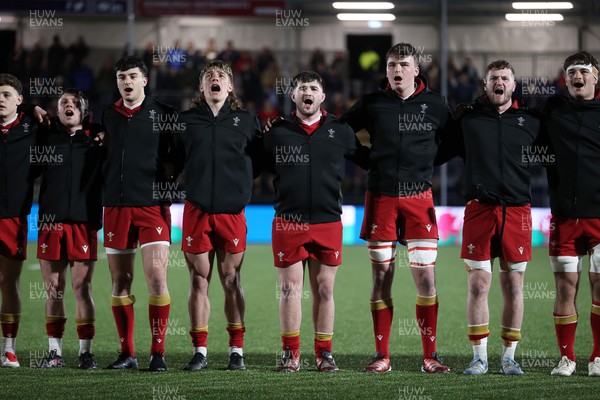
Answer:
(353, 343)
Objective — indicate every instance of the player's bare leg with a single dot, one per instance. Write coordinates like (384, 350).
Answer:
(200, 267)
(85, 312)
(10, 309)
(55, 280)
(229, 266)
(594, 361)
(382, 313)
(322, 280)
(511, 283)
(479, 282)
(121, 270)
(565, 320)
(291, 281)
(155, 258)
(422, 254)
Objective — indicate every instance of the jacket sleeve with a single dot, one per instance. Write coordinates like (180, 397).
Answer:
(357, 152)
(355, 116)
(256, 151)
(450, 140)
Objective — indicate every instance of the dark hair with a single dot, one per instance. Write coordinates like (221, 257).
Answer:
(82, 101)
(402, 50)
(129, 62)
(234, 101)
(11, 80)
(581, 57)
(500, 64)
(306, 76)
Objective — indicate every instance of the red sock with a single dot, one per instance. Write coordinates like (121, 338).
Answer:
(122, 308)
(158, 314)
(565, 326)
(382, 312)
(291, 341)
(595, 323)
(427, 313)
(236, 334)
(86, 331)
(322, 342)
(55, 326)
(199, 336)
(10, 325)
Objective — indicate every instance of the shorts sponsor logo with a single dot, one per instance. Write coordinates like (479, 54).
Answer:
(236, 241)
(159, 230)
(373, 227)
(85, 248)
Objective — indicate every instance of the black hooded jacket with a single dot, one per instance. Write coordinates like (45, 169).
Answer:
(573, 131)
(404, 136)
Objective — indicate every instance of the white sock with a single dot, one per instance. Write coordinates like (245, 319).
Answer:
(509, 351)
(85, 346)
(201, 349)
(8, 344)
(238, 350)
(480, 350)
(55, 344)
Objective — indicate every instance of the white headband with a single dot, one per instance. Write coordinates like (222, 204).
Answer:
(588, 67)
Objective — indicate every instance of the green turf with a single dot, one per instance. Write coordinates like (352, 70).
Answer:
(353, 341)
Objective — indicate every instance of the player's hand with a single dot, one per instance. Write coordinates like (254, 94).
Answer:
(100, 139)
(269, 124)
(461, 109)
(41, 115)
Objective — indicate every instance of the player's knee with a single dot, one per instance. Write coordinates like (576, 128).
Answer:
(325, 292)
(422, 254)
(82, 290)
(231, 282)
(478, 288)
(381, 253)
(565, 263)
